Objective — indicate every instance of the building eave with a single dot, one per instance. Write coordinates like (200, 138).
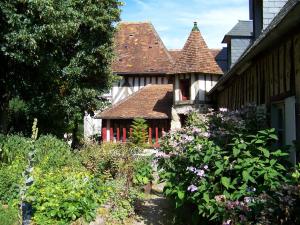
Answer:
(272, 34)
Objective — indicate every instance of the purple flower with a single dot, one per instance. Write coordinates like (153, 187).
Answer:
(162, 155)
(205, 167)
(242, 218)
(206, 134)
(192, 188)
(200, 173)
(190, 168)
(248, 199)
(227, 222)
(223, 109)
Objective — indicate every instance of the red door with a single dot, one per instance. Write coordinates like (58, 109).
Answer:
(185, 89)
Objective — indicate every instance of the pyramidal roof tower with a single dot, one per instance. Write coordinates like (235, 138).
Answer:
(195, 56)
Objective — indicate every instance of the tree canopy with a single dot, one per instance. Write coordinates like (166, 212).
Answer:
(55, 58)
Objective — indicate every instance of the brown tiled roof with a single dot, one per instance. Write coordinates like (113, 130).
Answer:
(139, 49)
(196, 57)
(150, 102)
(175, 53)
(215, 52)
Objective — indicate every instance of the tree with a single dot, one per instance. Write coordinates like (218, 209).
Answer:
(139, 132)
(55, 58)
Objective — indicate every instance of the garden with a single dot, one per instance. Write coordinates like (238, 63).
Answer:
(55, 184)
(221, 168)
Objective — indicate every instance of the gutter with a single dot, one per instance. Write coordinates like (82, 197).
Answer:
(290, 21)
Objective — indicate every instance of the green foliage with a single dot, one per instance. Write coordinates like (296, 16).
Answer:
(52, 153)
(55, 59)
(9, 215)
(13, 160)
(139, 132)
(116, 165)
(62, 196)
(143, 171)
(13, 146)
(11, 179)
(121, 201)
(222, 179)
(113, 159)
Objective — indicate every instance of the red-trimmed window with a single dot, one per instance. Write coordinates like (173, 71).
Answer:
(185, 89)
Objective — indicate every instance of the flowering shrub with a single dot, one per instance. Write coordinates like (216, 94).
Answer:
(222, 180)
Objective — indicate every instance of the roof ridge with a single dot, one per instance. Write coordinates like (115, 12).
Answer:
(174, 49)
(164, 47)
(134, 22)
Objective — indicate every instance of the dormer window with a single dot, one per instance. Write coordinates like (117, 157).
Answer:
(185, 86)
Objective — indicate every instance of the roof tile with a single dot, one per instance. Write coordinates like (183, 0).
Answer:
(150, 102)
(196, 57)
(139, 49)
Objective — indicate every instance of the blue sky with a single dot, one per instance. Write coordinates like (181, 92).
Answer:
(173, 19)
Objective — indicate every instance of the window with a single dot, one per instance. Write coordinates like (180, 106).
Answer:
(278, 121)
(185, 89)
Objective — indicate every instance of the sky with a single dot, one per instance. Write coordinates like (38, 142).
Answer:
(173, 19)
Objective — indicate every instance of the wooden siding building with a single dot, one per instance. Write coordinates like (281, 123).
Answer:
(268, 74)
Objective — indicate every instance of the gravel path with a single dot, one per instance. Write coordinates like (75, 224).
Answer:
(155, 209)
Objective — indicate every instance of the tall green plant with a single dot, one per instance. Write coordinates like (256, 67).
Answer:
(140, 132)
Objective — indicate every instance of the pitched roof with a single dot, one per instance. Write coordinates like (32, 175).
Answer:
(287, 19)
(195, 56)
(150, 102)
(244, 28)
(175, 53)
(139, 49)
(215, 52)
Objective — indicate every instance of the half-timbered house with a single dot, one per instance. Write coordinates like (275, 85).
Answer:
(146, 68)
(194, 74)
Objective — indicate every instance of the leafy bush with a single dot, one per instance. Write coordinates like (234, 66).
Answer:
(221, 179)
(113, 159)
(13, 146)
(121, 201)
(10, 180)
(9, 215)
(52, 153)
(139, 132)
(62, 196)
(143, 171)
(13, 161)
